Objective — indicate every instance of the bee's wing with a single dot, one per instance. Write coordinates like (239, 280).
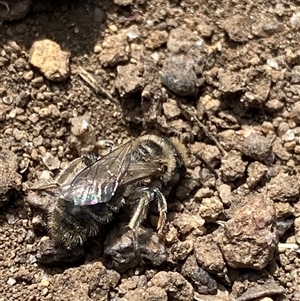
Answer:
(138, 171)
(98, 183)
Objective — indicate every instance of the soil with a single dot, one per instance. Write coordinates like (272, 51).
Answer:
(222, 77)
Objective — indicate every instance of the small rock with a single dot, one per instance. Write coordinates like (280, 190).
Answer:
(225, 193)
(295, 112)
(279, 150)
(203, 283)
(284, 187)
(205, 29)
(256, 172)
(120, 248)
(231, 82)
(80, 124)
(50, 161)
(209, 256)
(181, 250)
(233, 167)
(210, 208)
(257, 147)
(295, 75)
(279, 9)
(153, 293)
(52, 254)
(11, 281)
(128, 284)
(156, 39)
(210, 105)
(210, 153)
(51, 61)
(184, 40)
(249, 239)
(130, 79)
(187, 223)
(238, 28)
(274, 105)
(176, 286)
(179, 76)
(114, 50)
(133, 34)
(123, 2)
(171, 109)
(12, 180)
(93, 279)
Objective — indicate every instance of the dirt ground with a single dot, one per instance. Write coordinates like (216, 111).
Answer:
(221, 76)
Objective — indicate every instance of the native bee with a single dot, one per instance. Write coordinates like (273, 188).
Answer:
(92, 190)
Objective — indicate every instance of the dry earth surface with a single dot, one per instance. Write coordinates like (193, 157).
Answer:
(222, 76)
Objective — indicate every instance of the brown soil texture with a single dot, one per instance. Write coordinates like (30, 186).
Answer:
(223, 77)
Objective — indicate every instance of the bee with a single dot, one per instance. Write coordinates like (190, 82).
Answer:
(92, 190)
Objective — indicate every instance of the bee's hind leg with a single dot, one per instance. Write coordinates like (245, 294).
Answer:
(162, 209)
(144, 198)
(147, 196)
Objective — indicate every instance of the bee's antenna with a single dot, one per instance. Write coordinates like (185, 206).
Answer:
(191, 114)
(207, 134)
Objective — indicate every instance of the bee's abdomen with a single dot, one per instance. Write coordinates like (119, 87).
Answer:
(71, 225)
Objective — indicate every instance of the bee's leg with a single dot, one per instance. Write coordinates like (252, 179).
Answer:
(141, 210)
(148, 195)
(162, 209)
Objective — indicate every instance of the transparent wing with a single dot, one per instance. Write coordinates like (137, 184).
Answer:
(98, 182)
(138, 171)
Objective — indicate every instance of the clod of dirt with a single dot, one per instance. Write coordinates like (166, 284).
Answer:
(284, 187)
(12, 180)
(203, 283)
(153, 293)
(256, 171)
(114, 50)
(238, 28)
(125, 249)
(249, 239)
(225, 193)
(295, 75)
(210, 208)
(50, 60)
(257, 147)
(183, 40)
(181, 250)
(171, 109)
(93, 279)
(231, 82)
(52, 254)
(176, 286)
(295, 112)
(186, 223)
(179, 76)
(209, 256)
(156, 39)
(130, 79)
(233, 167)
